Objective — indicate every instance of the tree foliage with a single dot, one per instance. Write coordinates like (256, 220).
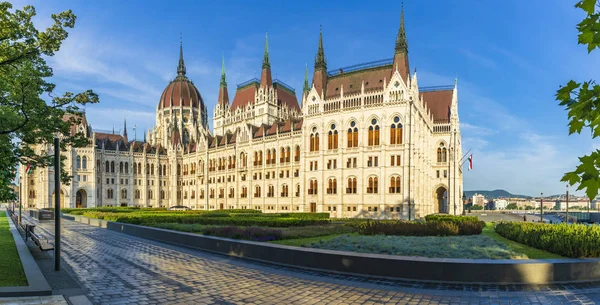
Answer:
(32, 113)
(582, 102)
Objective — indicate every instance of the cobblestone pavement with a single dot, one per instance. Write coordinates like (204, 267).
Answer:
(122, 269)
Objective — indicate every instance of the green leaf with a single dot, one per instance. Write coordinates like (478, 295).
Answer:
(587, 5)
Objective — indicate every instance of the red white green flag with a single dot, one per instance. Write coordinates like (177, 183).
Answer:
(28, 169)
(471, 162)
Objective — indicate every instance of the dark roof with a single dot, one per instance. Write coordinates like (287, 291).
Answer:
(439, 103)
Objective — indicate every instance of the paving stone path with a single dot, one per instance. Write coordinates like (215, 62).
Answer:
(122, 269)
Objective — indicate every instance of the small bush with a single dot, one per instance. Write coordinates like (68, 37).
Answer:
(567, 240)
(404, 228)
(250, 233)
(451, 218)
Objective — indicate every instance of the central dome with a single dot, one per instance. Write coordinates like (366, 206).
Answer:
(181, 91)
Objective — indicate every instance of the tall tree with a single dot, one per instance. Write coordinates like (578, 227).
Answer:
(26, 116)
(582, 101)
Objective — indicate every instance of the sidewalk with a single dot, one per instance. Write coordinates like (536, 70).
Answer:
(46, 300)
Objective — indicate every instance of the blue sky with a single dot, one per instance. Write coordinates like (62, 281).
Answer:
(509, 56)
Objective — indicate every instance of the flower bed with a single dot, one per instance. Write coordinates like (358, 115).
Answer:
(567, 240)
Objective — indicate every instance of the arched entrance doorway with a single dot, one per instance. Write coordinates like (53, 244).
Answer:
(81, 199)
(62, 199)
(440, 202)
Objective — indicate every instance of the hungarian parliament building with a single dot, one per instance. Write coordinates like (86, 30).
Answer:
(366, 141)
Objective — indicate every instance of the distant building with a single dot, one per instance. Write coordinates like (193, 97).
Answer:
(500, 204)
(479, 199)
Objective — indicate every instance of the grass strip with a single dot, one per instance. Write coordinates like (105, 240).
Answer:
(530, 252)
(11, 270)
(308, 241)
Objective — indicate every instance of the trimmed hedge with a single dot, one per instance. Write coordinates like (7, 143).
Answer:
(467, 225)
(404, 228)
(576, 241)
(249, 233)
(450, 218)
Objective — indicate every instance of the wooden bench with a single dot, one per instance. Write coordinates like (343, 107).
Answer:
(40, 242)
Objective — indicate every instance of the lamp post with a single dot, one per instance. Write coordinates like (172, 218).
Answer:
(567, 215)
(56, 204)
(542, 207)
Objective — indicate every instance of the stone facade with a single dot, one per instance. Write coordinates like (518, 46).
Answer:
(367, 141)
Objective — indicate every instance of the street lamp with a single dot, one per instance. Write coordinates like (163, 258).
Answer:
(567, 216)
(542, 207)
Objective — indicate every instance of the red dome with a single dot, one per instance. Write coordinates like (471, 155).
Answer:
(181, 92)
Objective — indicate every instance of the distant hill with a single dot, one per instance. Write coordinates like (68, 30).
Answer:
(494, 194)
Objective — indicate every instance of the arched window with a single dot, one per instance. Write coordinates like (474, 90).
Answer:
(231, 192)
(109, 193)
(287, 154)
(396, 132)
(149, 194)
(332, 138)
(353, 135)
(78, 161)
(273, 156)
(137, 194)
(313, 187)
(441, 153)
(244, 192)
(121, 167)
(257, 191)
(298, 190)
(112, 166)
(297, 154)
(271, 191)
(127, 167)
(268, 156)
(178, 169)
(164, 169)
(152, 169)
(282, 155)
(372, 187)
(140, 168)
(98, 165)
(84, 162)
(134, 168)
(332, 186)
(351, 187)
(160, 170)
(107, 166)
(260, 158)
(124, 194)
(162, 195)
(284, 191)
(374, 133)
(395, 185)
(314, 140)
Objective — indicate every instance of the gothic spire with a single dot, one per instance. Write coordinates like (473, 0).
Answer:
(181, 66)
(223, 81)
(223, 98)
(125, 129)
(320, 58)
(266, 62)
(266, 80)
(306, 87)
(401, 43)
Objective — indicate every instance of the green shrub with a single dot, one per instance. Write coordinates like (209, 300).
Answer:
(405, 228)
(249, 233)
(450, 218)
(567, 240)
(306, 215)
(470, 227)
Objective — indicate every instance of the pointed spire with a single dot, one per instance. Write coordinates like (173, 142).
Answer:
(401, 43)
(223, 81)
(125, 129)
(113, 129)
(266, 62)
(181, 66)
(320, 58)
(306, 87)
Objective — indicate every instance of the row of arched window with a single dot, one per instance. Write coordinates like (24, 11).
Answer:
(373, 136)
(81, 162)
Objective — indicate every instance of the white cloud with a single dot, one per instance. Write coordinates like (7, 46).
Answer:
(476, 130)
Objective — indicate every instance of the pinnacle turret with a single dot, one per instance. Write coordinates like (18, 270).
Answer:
(401, 43)
(266, 63)
(320, 62)
(181, 66)
(266, 80)
(223, 95)
(306, 87)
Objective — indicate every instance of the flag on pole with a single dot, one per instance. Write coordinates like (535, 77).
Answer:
(471, 162)
(28, 169)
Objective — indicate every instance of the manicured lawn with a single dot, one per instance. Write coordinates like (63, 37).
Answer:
(530, 252)
(308, 241)
(11, 270)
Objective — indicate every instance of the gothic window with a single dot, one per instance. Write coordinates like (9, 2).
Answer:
(107, 166)
(244, 192)
(271, 191)
(84, 162)
(284, 190)
(441, 153)
(287, 154)
(121, 167)
(98, 165)
(373, 185)
(123, 194)
(332, 186)
(314, 140)
(78, 162)
(109, 193)
(313, 187)
(268, 156)
(257, 191)
(126, 166)
(374, 133)
(396, 132)
(231, 192)
(351, 187)
(137, 194)
(353, 135)
(140, 168)
(332, 138)
(112, 166)
(395, 185)
(178, 169)
(297, 154)
(273, 156)
(149, 194)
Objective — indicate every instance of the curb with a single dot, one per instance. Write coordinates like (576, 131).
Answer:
(38, 286)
